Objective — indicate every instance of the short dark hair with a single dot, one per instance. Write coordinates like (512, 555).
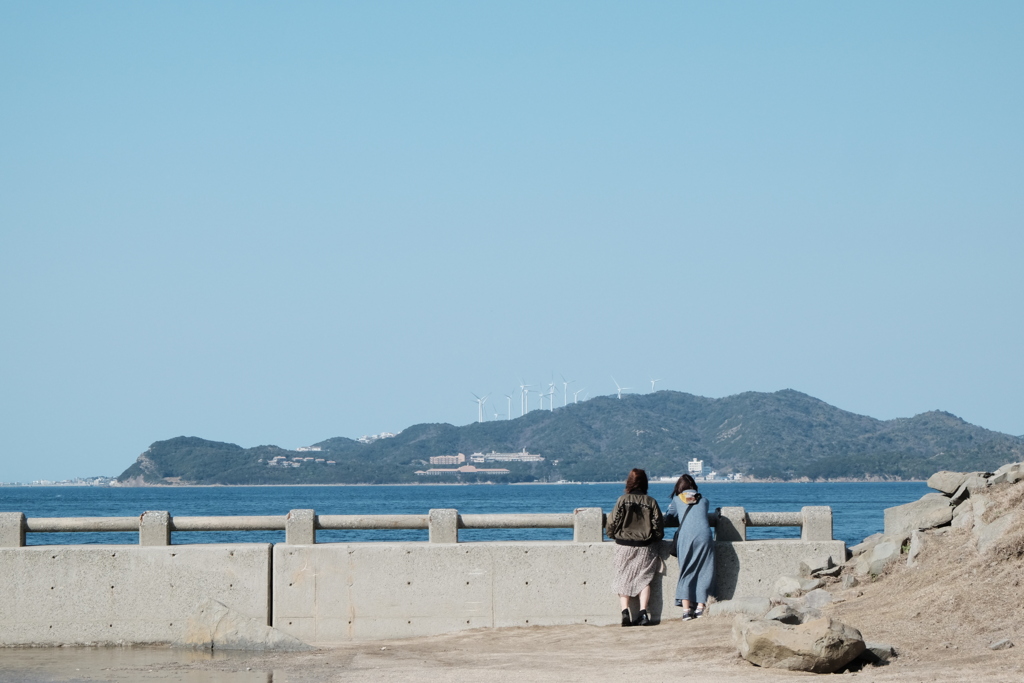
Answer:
(636, 482)
(684, 483)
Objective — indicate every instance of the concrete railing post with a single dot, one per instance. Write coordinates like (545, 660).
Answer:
(588, 525)
(732, 525)
(817, 523)
(155, 528)
(12, 529)
(444, 526)
(300, 527)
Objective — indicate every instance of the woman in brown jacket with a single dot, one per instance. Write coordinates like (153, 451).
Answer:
(636, 526)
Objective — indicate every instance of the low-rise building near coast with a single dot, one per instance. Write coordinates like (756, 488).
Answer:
(448, 459)
(465, 469)
(493, 456)
(370, 438)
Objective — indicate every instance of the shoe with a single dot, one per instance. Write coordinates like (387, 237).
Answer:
(699, 612)
(688, 615)
(642, 619)
(626, 621)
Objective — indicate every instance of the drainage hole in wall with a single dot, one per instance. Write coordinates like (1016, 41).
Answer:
(408, 583)
(111, 588)
(527, 621)
(51, 625)
(231, 585)
(174, 554)
(291, 584)
(527, 583)
(290, 623)
(467, 583)
(53, 557)
(51, 587)
(113, 554)
(408, 622)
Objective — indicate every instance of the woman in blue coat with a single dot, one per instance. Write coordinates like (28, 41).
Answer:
(693, 547)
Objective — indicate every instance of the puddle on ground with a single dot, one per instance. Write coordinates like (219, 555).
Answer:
(119, 665)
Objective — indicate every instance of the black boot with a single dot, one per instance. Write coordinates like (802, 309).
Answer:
(642, 619)
(626, 621)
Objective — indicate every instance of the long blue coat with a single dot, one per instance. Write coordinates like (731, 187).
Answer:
(695, 550)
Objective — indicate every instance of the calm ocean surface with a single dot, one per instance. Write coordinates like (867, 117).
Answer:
(857, 507)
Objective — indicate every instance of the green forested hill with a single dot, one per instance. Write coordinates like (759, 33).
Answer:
(782, 435)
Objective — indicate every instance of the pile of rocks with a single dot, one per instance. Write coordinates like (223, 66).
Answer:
(790, 631)
(960, 501)
(794, 634)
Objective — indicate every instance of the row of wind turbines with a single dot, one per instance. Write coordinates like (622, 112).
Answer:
(525, 390)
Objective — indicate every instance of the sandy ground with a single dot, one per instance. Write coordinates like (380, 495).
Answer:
(699, 650)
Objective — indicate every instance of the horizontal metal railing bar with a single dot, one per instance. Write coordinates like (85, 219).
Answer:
(517, 521)
(372, 521)
(72, 524)
(775, 519)
(234, 523)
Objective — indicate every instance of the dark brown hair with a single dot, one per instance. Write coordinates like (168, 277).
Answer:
(636, 482)
(684, 483)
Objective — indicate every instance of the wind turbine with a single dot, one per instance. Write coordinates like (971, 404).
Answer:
(565, 388)
(509, 397)
(479, 407)
(621, 389)
(551, 396)
(524, 401)
(653, 382)
(576, 395)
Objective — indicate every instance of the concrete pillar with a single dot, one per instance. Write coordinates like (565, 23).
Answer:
(12, 529)
(300, 527)
(155, 528)
(588, 525)
(444, 526)
(732, 525)
(817, 523)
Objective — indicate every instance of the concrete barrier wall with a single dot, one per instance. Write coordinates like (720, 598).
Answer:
(115, 594)
(334, 592)
(330, 593)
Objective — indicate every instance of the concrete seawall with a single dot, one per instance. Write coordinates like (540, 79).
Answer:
(325, 593)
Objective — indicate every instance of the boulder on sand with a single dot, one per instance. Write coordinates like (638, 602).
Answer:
(945, 481)
(820, 646)
(931, 511)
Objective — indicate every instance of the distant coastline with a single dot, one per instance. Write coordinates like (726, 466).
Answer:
(843, 480)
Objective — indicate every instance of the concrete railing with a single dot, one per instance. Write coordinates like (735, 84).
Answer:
(333, 592)
(300, 526)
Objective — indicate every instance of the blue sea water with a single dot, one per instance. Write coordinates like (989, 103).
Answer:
(857, 507)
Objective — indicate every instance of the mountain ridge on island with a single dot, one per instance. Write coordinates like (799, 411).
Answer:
(785, 435)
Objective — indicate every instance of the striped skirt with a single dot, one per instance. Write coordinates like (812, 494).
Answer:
(635, 567)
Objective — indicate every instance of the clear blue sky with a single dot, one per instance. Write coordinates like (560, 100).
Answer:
(282, 222)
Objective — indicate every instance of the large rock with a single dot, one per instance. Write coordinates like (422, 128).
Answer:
(931, 511)
(214, 626)
(945, 481)
(916, 546)
(977, 481)
(819, 646)
(865, 545)
(817, 598)
(788, 585)
(746, 605)
(881, 556)
(990, 534)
